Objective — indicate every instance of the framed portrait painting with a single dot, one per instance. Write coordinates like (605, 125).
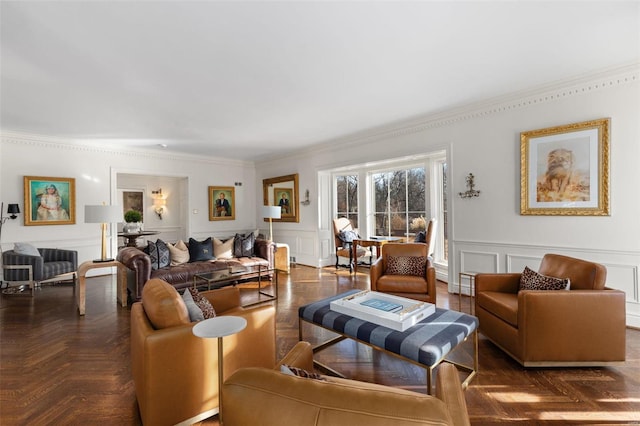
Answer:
(564, 170)
(283, 197)
(222, 203)
(49, 201)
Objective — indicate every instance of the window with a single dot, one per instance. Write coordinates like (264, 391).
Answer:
(399, 202)
(347, 197)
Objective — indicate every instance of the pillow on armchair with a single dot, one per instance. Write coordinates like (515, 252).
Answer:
(406, 265)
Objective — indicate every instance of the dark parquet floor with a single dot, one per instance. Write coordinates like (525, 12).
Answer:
(57, 368)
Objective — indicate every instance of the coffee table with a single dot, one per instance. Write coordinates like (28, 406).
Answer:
(426, 344)
(229, 276)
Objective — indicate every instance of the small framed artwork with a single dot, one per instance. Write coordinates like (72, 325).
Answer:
(283, 197)
(133, 199)
(222, 203)
(564, 170)
(49, 201)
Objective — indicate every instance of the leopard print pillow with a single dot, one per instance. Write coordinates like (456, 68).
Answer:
(406, 265)
(531, 280)
(203, 303)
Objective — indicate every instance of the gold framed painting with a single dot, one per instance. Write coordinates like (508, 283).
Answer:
(49, 201)
(283, 197)
(564, 170)
(222, 203)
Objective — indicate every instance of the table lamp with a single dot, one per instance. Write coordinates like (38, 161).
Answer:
(103, 215)
(271, 212)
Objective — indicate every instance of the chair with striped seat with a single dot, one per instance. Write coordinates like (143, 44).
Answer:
(23, 269)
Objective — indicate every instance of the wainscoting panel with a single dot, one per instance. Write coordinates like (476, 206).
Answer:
(475, 261)
(517, 262)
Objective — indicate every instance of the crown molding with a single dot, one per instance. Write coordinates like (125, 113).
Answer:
(19, 138)
(562, 89)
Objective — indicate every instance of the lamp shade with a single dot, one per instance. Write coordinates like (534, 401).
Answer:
(271, 212)
(13, 209)
(102, 214)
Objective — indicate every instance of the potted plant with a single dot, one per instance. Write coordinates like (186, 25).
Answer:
(134, 222)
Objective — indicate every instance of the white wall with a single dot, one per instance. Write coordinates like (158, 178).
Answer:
(95, 171)
(488, 233)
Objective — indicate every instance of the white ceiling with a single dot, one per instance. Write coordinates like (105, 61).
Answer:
(248, 80)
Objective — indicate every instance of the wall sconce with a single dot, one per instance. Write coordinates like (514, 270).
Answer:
(159, 202)
(306, 201)
(12, 210)
(470, 192)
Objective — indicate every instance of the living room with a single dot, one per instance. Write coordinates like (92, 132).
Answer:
(479, 135)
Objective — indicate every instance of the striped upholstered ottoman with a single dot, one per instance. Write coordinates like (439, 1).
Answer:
(425, 344)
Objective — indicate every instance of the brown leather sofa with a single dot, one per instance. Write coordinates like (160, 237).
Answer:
(411, 286)
(267, 397)
(583, 326)
(181, 276)
(176, 373)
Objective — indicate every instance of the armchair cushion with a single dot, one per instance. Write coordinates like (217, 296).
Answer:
(195, 313)
(406, 265)
(531, 280)
(203, 303)
(163, 305)
(26, 249)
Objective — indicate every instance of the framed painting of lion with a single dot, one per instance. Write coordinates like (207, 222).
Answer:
(564, 170)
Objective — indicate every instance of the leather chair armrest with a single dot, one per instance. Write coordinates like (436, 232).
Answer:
(223, 299)
(556, 322)
(504, 283)
(301, 356)
(431, 281)
(449, 391)
(140, 263)
(266, 249)
(376, 272)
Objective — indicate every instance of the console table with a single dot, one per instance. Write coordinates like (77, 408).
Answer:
(131, 238)
(121, 285)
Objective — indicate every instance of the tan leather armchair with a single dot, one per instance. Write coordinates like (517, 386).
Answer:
(411, 286)
(176, 373)
(583, 326)
(266, 397)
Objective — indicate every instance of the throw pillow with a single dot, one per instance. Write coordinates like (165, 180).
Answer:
(200, 250)
(295, 371)
(195, 313)
(223, 249)
(179, 253)
(152, 251)
(348, 236)
(243, 245)
(163, 304)
(421, 237)
(203, 303)
(406, 265)
(531, 280)
(164, 255)
(25, 249)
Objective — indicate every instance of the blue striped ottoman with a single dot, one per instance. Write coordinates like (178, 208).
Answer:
(426, 344)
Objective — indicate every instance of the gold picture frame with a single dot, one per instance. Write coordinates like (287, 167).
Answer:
(564, 170)
(285, 199)
(222, 203)
(49, 201)
(270, 188)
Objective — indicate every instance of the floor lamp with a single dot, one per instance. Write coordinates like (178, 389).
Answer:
(103, 215)
(271, 212)
(12, 210)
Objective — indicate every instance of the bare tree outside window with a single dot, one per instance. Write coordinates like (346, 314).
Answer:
(347, 198)
(400, 203)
